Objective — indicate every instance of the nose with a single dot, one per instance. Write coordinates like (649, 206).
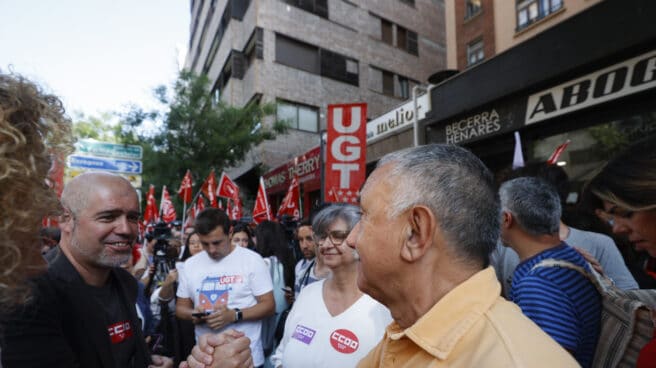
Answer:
(620, 226)
(352, 236)
(124, 226)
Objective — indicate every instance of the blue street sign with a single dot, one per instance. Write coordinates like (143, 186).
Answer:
(105, 164)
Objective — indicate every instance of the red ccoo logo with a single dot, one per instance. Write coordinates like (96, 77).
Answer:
(344, 341)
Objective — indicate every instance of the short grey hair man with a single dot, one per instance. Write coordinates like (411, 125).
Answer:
(430, 218)
(534, 203)
(457, 187)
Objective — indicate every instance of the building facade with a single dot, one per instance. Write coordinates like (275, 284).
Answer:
(306, 54)
(479, 29)
(589, 80)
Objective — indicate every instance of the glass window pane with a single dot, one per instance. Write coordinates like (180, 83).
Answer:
(388, 83)
(287, 112)
(387, 33)
(376, 79)
(307, 119)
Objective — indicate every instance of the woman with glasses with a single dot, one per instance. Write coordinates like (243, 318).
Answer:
(626, 187)
(332, 323)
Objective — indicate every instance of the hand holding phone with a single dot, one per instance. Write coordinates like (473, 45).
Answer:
(201, 314)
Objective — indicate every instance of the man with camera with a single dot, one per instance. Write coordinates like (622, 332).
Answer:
(226, 285)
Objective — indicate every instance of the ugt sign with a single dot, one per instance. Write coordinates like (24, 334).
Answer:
(346, 150)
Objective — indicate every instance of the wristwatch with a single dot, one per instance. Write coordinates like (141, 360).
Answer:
(238, 315)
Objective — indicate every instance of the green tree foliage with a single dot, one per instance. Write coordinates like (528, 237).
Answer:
(96, 127)
(194, 133)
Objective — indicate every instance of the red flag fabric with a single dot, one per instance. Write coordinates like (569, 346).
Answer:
(234, 209)
(346, 147)
(200, 204)
(262, 210)
(151, 214)
(166, 209)
(553, 159)
(185, 188)
(191, 216)
(290, 205)
(227, 188)
(209, 189)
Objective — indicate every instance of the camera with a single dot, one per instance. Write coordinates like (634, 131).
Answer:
(164, 254)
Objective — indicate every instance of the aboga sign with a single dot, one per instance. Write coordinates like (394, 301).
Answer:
(346, 150)
(622, 79)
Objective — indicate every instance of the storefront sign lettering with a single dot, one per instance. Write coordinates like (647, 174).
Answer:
(398, 118)
(475, 126)
(622, 79)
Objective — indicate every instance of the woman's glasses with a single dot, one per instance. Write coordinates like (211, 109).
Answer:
(336, 237)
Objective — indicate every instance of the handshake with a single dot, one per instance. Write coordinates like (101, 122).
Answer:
(229, 349)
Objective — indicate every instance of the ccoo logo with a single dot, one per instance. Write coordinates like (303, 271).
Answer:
(344, 341)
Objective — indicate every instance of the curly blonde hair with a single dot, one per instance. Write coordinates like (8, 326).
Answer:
(34, 131)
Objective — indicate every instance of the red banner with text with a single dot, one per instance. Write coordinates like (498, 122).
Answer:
(346, 149)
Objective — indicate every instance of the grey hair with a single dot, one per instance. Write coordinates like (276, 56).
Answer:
(534, 203)
(457, 187)
(339, 211)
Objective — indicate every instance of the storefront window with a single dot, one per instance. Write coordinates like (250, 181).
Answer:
(591, 147)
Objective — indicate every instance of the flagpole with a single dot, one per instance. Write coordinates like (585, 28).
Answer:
(184, 218)
(161, 201)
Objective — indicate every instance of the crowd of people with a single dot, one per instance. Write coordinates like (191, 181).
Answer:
(439, 265)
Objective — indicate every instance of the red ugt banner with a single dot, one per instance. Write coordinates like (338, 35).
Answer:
(346, 152)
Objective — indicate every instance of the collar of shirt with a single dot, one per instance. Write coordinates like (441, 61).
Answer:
(438, 331)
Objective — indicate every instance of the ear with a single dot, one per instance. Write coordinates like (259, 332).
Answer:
(420, 229)
(507, 220)
(66, 221)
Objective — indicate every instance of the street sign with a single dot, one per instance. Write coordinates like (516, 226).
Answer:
(107, 149)
(135, 180)
(105, 164)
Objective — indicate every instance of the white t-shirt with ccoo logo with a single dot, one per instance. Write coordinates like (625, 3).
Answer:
(314, 338)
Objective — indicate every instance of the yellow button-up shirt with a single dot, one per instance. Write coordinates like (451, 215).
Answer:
(471, 326)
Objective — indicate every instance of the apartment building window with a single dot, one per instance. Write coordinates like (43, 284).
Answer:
(405, 39)
(297, 54)
(391, 84)
(409, 2)
(316, 60)
(216, 95)
(475, 52)
(317, 7)
(298, 116)
(530, 11)
(472, 7)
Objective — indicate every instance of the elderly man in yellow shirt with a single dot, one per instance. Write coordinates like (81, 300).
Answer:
(430, 218)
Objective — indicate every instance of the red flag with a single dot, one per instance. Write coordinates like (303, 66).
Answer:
(166, 209)
(289, 205)
(262, 210)
(346, 148)
(209, 189)
(191, 216)
(553, 159)
(151, 212)
(200, 204)
(234, 209)
(227, 188)
(185, 188)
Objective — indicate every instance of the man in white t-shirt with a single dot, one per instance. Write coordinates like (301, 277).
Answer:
(225, 285)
